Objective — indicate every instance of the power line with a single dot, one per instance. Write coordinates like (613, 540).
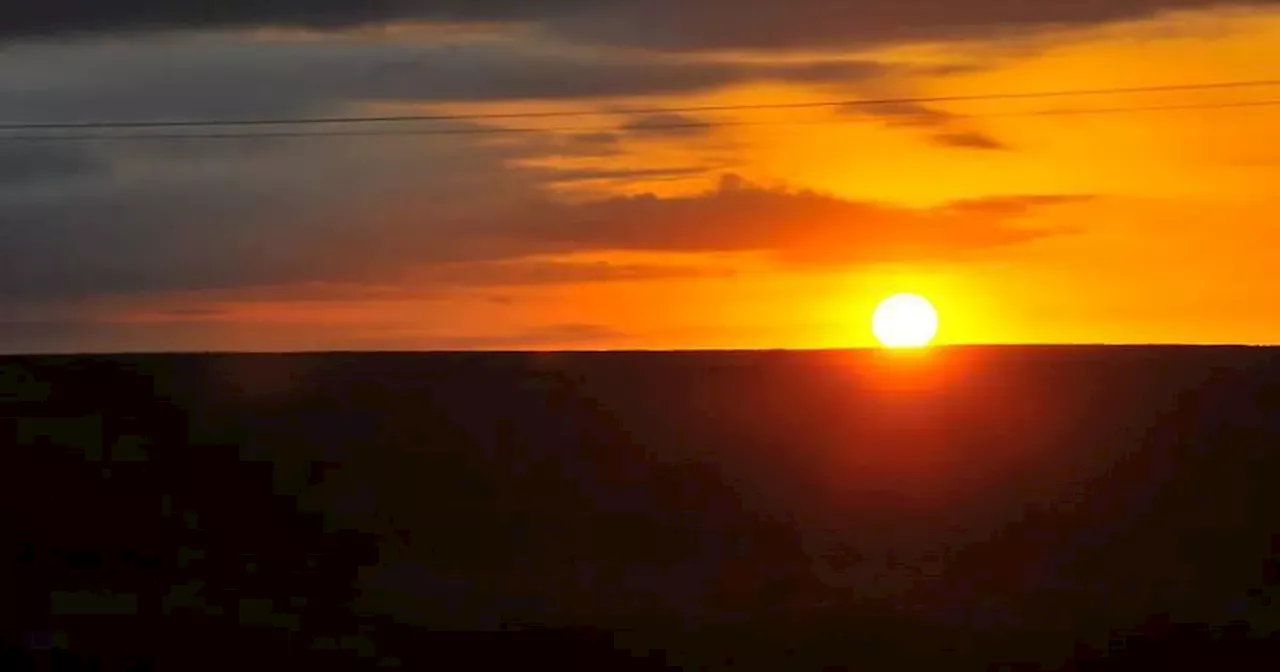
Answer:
(408, 132)
(122, 125)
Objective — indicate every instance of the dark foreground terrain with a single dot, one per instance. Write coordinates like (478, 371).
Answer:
(996, 508)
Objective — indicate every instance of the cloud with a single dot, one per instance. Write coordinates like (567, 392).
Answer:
(661, 24)
(594, 142)
(525, 273)
(96, 244)
(906, 115)
(220, 76)
(74, 335)
(198, 313)
(945, 129)
(22, 165)
(791, 226)
(1012, 206)
(91, 335)
(794, 226)
(153, 224)
(72, 17)
(139, 240)
(680, 25)
(668, 125)
(569, 336)
(558, 336)
(581, 175)
(510, 73)
(968, 140)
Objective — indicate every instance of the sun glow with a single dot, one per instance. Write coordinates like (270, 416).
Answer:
(905, 321)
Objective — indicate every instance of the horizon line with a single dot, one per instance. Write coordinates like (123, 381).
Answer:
(623, 351)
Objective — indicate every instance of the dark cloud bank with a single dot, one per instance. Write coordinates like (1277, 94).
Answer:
(670, 24)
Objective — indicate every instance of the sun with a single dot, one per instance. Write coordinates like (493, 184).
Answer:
(905, 321)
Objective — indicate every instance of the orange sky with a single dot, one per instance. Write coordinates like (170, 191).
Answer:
(1163, 233)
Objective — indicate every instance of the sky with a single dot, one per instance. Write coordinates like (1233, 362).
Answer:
(615, 216)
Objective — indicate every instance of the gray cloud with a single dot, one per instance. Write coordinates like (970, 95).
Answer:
(907, 115)
(73, 17)
(189, 237)
(533, 273)
(668, 125)
(557, 335)
(680, 25)
(796, 226)
(92, 336)
(213, 77)
(666, 24)
(233, 220)
(568, 336)
(22, 165)
(582, 175)
(944, 128)
(581, 145)
(138, 239)
(509, 74)
(968, 140)
(84, 219)
(593, 140)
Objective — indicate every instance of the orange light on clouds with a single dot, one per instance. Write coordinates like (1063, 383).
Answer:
(1169, 246)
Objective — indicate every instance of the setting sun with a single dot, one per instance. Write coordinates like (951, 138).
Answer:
(905, 321)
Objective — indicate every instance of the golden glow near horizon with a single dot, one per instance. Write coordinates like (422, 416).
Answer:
(905, 321)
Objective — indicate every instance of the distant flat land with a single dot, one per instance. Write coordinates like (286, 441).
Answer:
(962, 505)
